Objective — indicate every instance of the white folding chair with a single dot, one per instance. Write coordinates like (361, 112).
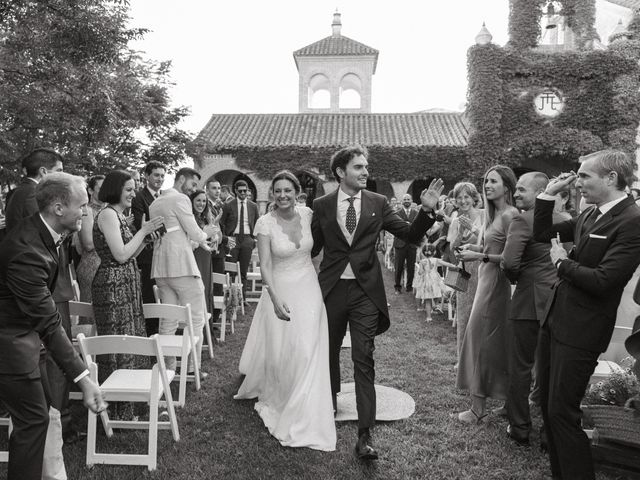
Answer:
(235, 268)
(180, 346)
(253, 278)
(76, 290)
(605, 368)
(77, 310)
(4, 454)
(207, 328)
(219, 303)
(130, 385)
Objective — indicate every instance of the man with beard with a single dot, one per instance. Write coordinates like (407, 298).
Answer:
(405, 251)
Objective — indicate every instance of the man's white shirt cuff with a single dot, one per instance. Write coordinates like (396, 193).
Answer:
(81, 376)
(546, 196)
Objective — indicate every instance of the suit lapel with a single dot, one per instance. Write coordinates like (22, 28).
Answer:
(366, 210)
(332, 205)
(601, 223)
(45, 235)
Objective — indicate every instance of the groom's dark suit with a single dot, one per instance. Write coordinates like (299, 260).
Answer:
(362, 302)
(579, 320)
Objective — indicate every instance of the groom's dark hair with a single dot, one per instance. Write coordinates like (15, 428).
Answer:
(343, 156)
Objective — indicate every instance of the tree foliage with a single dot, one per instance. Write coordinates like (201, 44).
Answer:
(69, 80)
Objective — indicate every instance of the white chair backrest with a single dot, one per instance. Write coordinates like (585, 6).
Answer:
(620, 334)
(101, 345)
(156, 294)
(166, 310)
(220, 278)
(76, 290)
(81, 309)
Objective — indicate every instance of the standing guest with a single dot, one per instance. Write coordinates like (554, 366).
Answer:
(36, 165)
(202, 252)
(464, 229)
(346, 224)
(174, 267)
(29, 319)
(154, 173)
(238, 220)
(213, 189)
(580, 318)
(405, 252)
(483, 360)
(135, 176)
(89, 259)
(225, 194)
(117, 301)
(393, 203)
(526, 263)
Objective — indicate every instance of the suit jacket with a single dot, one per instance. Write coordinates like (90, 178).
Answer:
(413, 213)
(172, 254)
(140, 208)
(582, 309)
(375, 215)
(230, 214)
(28, 314)
(528, 263)
(22, 203)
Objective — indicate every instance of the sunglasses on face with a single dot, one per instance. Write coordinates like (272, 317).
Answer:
(242, 190)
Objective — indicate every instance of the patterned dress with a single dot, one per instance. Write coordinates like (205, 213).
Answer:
(117, 305)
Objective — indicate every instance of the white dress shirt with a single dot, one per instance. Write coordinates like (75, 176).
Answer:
(603, 208)
(246, 218)
(343, 205)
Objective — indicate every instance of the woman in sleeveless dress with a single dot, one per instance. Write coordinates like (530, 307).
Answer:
(89, 259)
(483, 358)
(116, 289)
(286, 355)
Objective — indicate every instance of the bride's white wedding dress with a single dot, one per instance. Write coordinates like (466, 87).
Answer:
(287, 363)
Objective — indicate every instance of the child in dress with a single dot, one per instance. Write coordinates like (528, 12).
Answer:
(428, 284)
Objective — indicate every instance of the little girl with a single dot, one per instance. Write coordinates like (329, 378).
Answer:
(428, 283)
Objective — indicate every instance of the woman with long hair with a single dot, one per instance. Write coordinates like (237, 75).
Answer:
(286, 355)
(482, 369)
(89, 259)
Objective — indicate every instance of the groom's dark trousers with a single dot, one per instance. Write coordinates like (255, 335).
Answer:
(348, 304)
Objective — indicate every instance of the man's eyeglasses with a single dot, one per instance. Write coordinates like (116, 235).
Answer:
(242, 190)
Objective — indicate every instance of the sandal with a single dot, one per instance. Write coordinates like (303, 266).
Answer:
(470, 417)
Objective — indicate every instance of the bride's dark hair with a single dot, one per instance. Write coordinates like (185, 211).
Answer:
(286, 175)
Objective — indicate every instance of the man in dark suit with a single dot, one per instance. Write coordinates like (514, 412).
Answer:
(405, 251)
(29, 318)
(213, 189)
(581, 313)
(526, 263)
(154, 175)
(36, 165)
(238, 220)
(346, 224)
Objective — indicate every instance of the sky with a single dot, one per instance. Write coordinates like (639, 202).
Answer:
(236, 56)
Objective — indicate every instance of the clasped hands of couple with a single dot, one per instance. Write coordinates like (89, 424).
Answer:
(429, 201)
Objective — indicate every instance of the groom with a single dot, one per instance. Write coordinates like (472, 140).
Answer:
(346, 223)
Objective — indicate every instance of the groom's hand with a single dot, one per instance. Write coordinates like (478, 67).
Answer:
(431, 195)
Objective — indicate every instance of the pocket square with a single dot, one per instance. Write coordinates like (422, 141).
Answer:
(593, 235)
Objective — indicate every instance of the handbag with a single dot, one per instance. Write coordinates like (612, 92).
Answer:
(457, 278)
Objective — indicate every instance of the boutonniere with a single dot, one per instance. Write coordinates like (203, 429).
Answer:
(373, 214)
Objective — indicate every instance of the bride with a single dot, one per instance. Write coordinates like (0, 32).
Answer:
(286, 355)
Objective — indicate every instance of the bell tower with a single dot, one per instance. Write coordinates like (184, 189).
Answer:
(335, 74)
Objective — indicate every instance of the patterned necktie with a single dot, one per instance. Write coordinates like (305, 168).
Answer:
(589, 222)
(351, 216)
(241, 229)
(156, 195)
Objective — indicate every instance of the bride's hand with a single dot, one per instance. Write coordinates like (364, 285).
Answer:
(281, 309)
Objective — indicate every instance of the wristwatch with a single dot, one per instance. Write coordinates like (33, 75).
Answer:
(485, 258)
(557, 264)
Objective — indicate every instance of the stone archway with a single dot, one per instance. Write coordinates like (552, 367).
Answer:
(311, 185)
(230, 177)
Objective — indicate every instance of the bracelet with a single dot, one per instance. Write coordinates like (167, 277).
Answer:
(558, 262)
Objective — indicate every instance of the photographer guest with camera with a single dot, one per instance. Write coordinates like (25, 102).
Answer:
(116, 289)
(174, 266)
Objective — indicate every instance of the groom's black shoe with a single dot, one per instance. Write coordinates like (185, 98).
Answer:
(364, 451)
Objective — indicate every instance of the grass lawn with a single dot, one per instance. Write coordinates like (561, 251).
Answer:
(223, 438)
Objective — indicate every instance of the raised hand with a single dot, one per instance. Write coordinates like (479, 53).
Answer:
(560, 183)
(152, 225)
(430, 196)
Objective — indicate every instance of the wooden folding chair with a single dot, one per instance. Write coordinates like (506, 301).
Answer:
(207, 328)
(4, 454)
(180, 346)
(232, 267)
(130, 385)
(219, 303)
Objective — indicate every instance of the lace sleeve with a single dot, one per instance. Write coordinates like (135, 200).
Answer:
(262, 225)
(305, 213)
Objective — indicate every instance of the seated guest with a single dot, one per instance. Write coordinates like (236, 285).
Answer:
(89, 259)
(29, 319)
(116, 290)
(579, 320)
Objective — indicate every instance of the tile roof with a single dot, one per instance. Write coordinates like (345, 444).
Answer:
(336, 45)
(334, 129)
(632, 4)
